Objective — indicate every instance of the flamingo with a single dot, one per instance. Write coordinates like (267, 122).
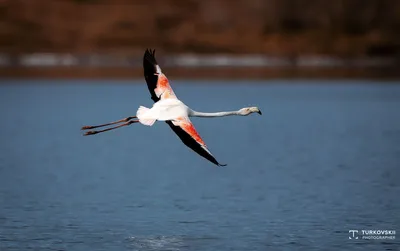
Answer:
(167, 107)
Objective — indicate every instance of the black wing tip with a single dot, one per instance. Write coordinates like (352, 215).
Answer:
(150, 51)
(150, 56)
(214, 161)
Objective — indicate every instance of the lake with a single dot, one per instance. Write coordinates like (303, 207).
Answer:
(322, 160)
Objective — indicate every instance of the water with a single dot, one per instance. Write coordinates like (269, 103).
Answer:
(323, 159)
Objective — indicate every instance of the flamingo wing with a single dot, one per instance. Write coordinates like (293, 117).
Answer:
(159, 88)
(156, 81)
(185, 130)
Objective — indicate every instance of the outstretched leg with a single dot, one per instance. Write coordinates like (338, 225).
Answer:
(111, 123)
(111, 128)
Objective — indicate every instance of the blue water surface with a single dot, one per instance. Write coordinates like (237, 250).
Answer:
(323, 159)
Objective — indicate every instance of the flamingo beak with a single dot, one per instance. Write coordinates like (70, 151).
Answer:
(259, 112)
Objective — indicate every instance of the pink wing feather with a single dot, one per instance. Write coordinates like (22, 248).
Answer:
(188, 127)
(163, 89)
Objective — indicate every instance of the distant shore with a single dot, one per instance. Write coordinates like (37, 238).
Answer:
(52, 65)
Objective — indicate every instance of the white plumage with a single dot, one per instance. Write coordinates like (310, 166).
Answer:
(169, 108)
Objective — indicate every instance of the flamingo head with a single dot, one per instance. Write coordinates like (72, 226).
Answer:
(248, 110)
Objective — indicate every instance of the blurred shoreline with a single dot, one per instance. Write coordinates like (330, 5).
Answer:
(247, 66)
(243, 39)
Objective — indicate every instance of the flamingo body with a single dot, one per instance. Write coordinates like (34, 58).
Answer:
(167, 107)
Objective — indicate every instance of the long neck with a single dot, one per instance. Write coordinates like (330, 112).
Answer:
(212, 114)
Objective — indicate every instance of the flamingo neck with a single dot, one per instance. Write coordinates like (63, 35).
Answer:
(212, 114)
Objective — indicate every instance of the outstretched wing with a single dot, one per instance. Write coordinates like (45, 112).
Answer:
(159, 88)
(156, 81)
(185, 130)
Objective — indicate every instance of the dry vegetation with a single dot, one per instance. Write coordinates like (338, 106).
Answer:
(276, 27)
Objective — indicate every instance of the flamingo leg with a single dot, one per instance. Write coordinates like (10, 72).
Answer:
(111, 123)
(111, 128)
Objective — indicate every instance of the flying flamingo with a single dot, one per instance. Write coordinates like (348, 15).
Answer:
(170, 109)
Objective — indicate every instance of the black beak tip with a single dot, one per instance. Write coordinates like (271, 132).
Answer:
(259, 112)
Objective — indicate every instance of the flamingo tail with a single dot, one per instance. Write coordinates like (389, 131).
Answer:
(143, 115)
